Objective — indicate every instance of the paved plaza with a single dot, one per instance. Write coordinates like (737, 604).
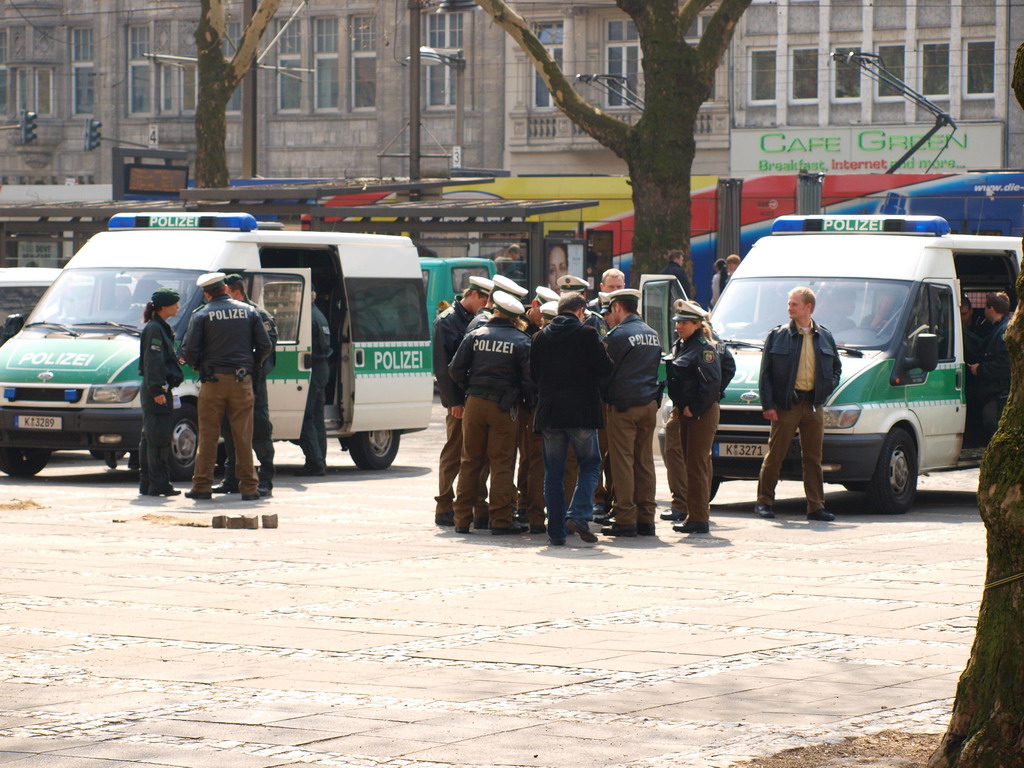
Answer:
(358, 634)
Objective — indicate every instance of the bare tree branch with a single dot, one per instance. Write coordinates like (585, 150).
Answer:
(250, 42)
(719, 31)
(689, 12)
(608, 130)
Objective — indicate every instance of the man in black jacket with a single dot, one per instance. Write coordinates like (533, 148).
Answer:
(675, 267)
(449, 328)
(567, 361)
(632, 394)
(492, 366)
(800, 368)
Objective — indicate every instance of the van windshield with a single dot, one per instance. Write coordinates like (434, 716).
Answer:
(108, 297)
(861, 313)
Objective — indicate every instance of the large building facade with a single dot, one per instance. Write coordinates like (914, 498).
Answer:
(334, 88)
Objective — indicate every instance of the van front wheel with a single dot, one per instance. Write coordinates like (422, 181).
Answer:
(374, 450)
(891, 489)
(23, 462)
(184, 442)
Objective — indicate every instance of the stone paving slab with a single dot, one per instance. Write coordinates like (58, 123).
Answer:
(358, 634)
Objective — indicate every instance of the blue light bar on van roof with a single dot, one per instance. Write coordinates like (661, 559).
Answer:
(231, 222)
(934, 226)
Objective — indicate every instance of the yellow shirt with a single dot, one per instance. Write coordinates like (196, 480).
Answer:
(805, 370)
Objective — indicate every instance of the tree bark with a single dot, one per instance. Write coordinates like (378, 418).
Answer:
(660, 148)
(986, 729)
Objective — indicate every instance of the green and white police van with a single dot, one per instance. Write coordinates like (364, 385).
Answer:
(889, 288)
(69, 378)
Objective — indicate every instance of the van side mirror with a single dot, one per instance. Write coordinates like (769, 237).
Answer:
(927, 349)
(12, 325)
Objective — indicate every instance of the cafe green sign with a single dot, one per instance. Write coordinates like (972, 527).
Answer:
(865, 149)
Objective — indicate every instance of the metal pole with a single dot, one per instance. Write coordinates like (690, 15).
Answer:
(460, 104)
(414, 92)
(249, 110)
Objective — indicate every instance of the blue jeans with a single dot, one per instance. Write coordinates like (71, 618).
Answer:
(588, 457)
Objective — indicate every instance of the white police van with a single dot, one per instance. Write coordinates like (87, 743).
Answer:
(69, 378)
(889, 288)
(20, 289)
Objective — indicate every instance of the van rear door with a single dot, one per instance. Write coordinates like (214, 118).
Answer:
(389, 349)
(285, 295)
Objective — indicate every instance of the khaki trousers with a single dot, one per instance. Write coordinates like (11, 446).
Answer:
(810, 422)
(604, 491)
(488, 436)
(448, 470)
(235, 399)
(530, 480)
(675, 462)
(631, 455)
(696, 436)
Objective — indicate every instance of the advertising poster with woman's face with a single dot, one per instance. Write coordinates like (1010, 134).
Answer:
(563, 259)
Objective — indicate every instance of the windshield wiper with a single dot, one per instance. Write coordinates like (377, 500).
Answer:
(850, 351)
(744, 344)
(110, 323)
(55, 326)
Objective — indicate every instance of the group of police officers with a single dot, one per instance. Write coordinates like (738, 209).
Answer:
(483, 344)
(230, 342)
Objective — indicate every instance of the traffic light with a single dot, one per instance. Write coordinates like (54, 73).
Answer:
(92, 133)
(27, 124)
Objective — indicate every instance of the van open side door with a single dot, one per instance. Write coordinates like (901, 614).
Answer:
(285, 295)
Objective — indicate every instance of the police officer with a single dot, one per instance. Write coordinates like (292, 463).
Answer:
(161, 373)
(262, 429)
(530, 476)
(449, 328)
(631, 414)
(313, 437)
(484, 313)
(225, 342)
(694, 384)
(492, 366)
(573, 284)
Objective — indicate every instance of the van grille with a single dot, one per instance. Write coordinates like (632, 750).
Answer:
(42, 395)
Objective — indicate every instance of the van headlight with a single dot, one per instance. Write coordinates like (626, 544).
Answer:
(842, 417)
(114, 393)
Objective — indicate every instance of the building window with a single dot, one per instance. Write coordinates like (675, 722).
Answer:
(189, 88)
(166, 80)
(935, 69)
(894, 62)
(444, 30)
(847, 76)
(325, 54)
(363, 34)
(34, 90)
(139, 71)
(762, 75)
(805, 74)
(289, 59)
(623, 61)
(981, 68)
(552, 36)
(82, 72)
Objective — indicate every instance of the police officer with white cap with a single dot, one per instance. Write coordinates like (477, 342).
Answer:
(484, 313)
(225, 342)
(573, 284)
(694, 384)
(492, 366)
(632, 393)
(449, 329)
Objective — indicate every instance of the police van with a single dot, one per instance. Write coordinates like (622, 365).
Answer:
(889, 289)
(69, 378)
(20, 289)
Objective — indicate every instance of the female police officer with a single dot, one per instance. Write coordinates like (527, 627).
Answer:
(158, 365)
(694, 380)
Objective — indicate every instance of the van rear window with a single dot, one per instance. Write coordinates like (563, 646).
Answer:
(387, 309)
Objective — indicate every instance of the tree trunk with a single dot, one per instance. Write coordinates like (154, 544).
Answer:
(987, 726)
(211, 138)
